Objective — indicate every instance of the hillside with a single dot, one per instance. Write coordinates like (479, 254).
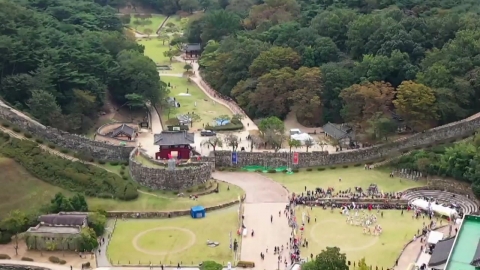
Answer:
(21, 190)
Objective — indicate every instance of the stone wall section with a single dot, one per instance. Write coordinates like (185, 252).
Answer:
(456, 130)
(73, 142)
(161, 178)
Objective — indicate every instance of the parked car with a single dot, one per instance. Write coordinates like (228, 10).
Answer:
(207, 133)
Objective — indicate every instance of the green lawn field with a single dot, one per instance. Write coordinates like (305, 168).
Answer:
(22, 191)
(351, 177)
(154, 49)
(152, 23)
(176, 240)
(331, 229)
(205, 106)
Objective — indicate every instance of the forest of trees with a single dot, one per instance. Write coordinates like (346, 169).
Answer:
(60, 59)
(367, 63)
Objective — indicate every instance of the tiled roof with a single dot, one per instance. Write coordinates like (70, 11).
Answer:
(173, 138)
(65, 220)
(337, 131)
(123, 129)
(441, 251)
(193, 47)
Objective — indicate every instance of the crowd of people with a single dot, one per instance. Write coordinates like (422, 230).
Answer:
(353, 194)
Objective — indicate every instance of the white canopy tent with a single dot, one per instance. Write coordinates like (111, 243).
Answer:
(302, 137)
(436, 208)
(434, 237)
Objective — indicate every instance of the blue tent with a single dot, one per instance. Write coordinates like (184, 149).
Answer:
(197, 211)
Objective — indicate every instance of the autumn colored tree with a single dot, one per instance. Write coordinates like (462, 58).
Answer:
(415, 103)
(306, 97)
(364, 101)
(274, 58)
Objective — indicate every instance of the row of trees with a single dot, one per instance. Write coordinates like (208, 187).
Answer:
(17, 222)
(60, 58)
(338, 61)
(460, 161)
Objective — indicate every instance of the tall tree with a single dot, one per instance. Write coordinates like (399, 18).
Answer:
(15, 222)
(329, 259)
(416, 104)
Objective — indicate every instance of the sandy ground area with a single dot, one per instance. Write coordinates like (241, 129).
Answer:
(265, 199)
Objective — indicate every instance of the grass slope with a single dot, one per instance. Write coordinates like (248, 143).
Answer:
(205, 106)
(21, 190)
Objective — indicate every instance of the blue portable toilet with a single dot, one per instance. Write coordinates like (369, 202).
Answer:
(197, 211)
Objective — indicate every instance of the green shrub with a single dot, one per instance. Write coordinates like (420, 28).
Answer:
(51, 145)
(123, 167)
(309, 169)
(125, 163)
(54, 259)
(272, 171)
(333, 168)
(5, 237)
(295, 170)
(4, 257)
(357, 165)
(114, 163)
(258, 170)
(189, 190)
(62, 262)
(101, 162)
(27, 135)
(63, 150)
(345, 166)
(71, 175)
(17, 130)
(5, 124)
(321, 169)
(245, 264)
(27, 259)
(227, 127)
(122, 172)
(39, 141)
(6, 135)
(125, 177)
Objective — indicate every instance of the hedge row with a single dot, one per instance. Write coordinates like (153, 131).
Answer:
(73, 176)
(227, 127)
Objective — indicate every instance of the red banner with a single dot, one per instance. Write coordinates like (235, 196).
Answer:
(295, 158)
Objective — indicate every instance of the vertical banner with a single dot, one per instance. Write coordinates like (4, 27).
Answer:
(234, 158)
(295, 158)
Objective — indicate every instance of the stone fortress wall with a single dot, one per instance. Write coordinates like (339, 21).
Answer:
(110, 152)
(455, 130)
(77, 143)
(161, 178)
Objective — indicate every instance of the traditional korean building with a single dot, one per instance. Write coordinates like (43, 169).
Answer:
(192, 50)
(174, 141)
(123, 132)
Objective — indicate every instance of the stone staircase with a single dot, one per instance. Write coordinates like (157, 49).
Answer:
(467, 205)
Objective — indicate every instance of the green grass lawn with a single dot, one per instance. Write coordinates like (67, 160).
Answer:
(351, 177)
(331, 229)
(205, 107)
(154, 49)
(21, 190)
(173, 246)
(166, 201)
(150, 23)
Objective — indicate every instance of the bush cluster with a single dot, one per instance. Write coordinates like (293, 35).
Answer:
(74, 176)
(4, 257)
(245, 264)
(27, 259)
(234, 125)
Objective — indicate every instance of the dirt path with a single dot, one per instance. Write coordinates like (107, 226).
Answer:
(265, 198)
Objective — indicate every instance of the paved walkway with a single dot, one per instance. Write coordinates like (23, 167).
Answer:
(265, 198)
(412, 251)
